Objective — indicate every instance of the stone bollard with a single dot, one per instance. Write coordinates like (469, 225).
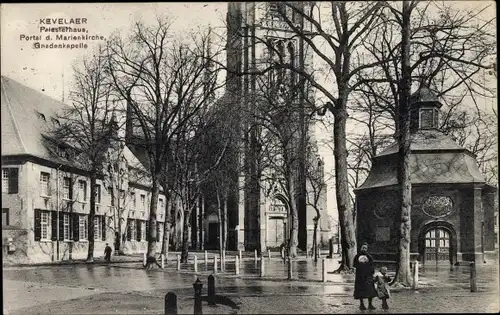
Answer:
(206, 257)
(473, 285)
(162, 261)
(195, 263)
(215, 264)
(198, 306)
(262, 266)
(255, 255)
(237, 266)
(269, 253)
(145, 259)
(211, 290)
(239, 254)
(415, 275)
(178, 262)
(170, 304)
(323, 270)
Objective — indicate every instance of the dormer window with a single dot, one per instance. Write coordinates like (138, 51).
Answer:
(424, 110)
(426, 118)
(41, 116)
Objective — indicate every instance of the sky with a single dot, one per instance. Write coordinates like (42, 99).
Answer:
(49, 70)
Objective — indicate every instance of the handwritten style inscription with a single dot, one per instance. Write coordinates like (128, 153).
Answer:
(61, 33)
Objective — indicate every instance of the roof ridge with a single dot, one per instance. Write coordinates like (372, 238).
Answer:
(9, 107)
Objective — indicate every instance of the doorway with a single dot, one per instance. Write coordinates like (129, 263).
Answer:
(276, 232)
(213, 236)
(437, 245)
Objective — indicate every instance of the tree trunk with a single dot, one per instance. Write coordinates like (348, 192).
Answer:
(116, 220)
(315, 241)
(347, 228)
(91, 228)
(166, 227)
(202, 223)
(292, 244)
(152, 222)
(220, 205)
(122, 226)
(185, 236)
(174, 230)
(403, 274)
(224, 245)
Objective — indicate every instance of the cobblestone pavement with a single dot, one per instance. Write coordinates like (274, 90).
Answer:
(125, 288)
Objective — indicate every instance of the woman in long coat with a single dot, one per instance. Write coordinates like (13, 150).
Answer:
(364, 287)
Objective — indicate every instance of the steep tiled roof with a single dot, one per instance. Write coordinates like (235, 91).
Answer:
(428, 168)
(426, 140)
(424, 95)
(26, 115)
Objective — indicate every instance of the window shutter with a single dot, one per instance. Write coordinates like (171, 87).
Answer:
(13, 181)
(138, 226)
(103, 226)
(129, 231)
(147, 231)
(38, 228)
(61, 226)
(53, 225)
(76, 227)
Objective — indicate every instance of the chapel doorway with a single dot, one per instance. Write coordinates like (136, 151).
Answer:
(437, 246)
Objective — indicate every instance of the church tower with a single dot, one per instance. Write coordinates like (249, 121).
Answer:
(252, 27)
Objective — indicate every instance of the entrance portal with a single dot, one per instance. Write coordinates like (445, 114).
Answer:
(437, 245)
(213, 236)
(276, 231)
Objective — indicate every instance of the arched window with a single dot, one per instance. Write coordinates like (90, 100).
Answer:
(281, 59)
(292, 57)
(272, 55)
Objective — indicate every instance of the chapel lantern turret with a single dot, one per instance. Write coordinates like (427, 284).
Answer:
(424, 110)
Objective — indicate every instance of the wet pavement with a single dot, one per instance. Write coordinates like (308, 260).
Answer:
(127, 288)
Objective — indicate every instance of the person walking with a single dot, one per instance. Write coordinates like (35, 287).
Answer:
(364, 287)
(107, 253)
(382, 281)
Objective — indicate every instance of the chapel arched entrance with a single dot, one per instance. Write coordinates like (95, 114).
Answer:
(437, 243)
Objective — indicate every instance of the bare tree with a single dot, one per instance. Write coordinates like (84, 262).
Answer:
(317, 189)
(118, 174)
(444, 50)
(351, 21)
(278, 124)
(161, 78)
(88, 125)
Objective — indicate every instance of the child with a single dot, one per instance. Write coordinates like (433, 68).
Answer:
(382, 280)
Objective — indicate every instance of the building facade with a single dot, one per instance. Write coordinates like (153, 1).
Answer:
(258, 214)
(454, 213)
(46, 198)
(258, 35)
